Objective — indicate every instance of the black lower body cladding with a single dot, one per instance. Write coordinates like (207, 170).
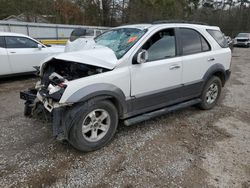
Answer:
(228, 74)
(57, 115)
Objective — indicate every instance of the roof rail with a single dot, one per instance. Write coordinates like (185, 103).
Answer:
(178, 21)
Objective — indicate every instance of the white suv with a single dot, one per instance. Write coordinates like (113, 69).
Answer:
(131, 73)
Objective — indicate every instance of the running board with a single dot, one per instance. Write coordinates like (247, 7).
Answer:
(160, 112)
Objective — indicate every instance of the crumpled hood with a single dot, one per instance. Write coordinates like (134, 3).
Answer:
(97, 55)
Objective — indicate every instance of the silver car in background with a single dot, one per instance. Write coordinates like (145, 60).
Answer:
(242, 39)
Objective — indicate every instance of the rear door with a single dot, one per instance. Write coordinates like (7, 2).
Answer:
(222, 55)
(5, 67)
(24, 53)
(197, 58)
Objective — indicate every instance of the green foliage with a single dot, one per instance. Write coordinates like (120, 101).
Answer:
(28, 7)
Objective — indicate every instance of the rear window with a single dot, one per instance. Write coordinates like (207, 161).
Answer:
(2, 42)
(219, 37)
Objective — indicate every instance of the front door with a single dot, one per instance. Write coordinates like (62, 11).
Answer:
(24, 54)
(156, 83)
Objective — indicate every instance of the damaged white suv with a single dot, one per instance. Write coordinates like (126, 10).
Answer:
(130, 73)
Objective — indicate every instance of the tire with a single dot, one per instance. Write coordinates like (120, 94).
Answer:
(209, 97)
(88, 132)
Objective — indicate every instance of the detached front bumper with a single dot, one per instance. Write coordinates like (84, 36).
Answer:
(33, 104)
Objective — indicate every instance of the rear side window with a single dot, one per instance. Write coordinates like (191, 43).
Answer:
(219, 37)
(2, 42)
(205, 46)
(193, 42)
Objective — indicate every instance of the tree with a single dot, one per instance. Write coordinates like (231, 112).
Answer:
(231, 15)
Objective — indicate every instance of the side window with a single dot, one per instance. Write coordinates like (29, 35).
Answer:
(219, 37)
(2, 42)
(90, 32)
(161, 45)
(205, 45)
(193, 42)
(20, 42)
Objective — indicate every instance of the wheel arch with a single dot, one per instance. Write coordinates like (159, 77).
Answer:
(101, 91)
(216, 70)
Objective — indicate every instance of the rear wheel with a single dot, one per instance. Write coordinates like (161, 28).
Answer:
(94, 125)
(211, 93)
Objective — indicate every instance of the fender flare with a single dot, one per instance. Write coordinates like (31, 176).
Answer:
(98, 90)
(214, 69)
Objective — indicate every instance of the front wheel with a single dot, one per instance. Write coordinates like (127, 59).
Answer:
(94, 125)
(211, 93)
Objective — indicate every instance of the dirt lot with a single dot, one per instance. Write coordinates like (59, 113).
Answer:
(188, 148)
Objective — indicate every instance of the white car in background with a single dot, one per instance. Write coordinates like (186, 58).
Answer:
(20, 53)
(242, 39)
(81, 39)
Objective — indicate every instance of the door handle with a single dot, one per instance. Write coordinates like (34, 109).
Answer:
(211, 59)
(173, 67)
(12, 52)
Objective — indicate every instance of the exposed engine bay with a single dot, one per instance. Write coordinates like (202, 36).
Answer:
(57, 71)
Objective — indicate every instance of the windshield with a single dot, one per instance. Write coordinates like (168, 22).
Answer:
(243, 35)
(120, 40)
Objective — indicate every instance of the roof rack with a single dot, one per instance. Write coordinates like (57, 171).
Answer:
(178, 21)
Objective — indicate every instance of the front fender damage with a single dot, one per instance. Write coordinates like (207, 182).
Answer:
(42, 102)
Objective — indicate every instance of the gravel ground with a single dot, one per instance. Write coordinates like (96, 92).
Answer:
(188, 148)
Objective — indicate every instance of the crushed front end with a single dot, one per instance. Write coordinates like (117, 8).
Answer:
(43, 101)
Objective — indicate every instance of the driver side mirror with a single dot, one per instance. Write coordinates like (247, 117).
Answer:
(39, 46)
(142, 57)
